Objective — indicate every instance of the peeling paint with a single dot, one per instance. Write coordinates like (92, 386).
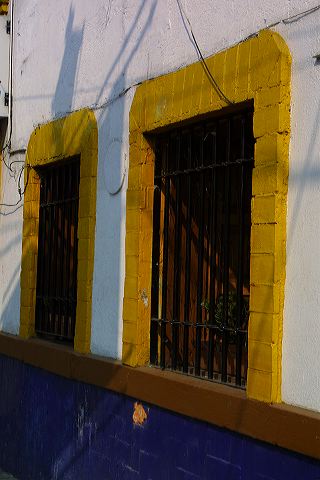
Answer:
(139, 414)
(144, 298)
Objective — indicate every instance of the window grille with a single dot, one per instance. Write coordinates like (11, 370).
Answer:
(201, 248)
(56, 294)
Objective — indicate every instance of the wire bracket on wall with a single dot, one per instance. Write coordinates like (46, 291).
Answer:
(118, 190)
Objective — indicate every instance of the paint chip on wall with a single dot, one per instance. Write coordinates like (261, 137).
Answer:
(139, 414)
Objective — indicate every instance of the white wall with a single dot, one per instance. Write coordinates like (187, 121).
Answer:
(72, 54)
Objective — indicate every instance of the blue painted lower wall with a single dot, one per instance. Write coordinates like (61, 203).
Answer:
(54, 428)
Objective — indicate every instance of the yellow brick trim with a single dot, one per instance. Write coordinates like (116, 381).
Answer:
(76, 134)
(258, 70)
(4, 5)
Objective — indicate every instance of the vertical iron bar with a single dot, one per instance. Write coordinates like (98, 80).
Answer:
(75, 249)
(41, 264)
(177, 263)
(200, 267)
(226, 262)
(49, 280)
(65, 260)
(239, 336)
(165, 267)
(187, 267)
(55, 260)
(240, 284)
(155, 261)
(60, 289)
(212, 262)
(68, 256)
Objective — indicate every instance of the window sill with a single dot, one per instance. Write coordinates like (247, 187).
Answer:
(288, 427)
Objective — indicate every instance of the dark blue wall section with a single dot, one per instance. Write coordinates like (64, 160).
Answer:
(54, 428)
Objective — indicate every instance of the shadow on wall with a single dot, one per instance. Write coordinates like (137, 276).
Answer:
(108, 278)
(110, 229)
(307, 177)
(63, 97)
(108, 274)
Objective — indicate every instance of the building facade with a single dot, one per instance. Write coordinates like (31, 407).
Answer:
(159, 236)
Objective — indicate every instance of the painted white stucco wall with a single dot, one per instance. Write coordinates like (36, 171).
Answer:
(70, 54)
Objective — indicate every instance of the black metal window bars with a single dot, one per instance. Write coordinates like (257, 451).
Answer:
(201, 248)
(56, 294)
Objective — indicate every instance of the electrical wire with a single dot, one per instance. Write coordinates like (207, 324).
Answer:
(296, 17)
(204, 63)
(8, 143)
(11, 71)
(21, 193)
(118, 190)
(285, 21)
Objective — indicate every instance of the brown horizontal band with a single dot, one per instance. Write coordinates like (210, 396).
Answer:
(289, 427)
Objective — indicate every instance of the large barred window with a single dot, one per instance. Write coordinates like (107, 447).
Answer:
(201, 248)
(56, 294)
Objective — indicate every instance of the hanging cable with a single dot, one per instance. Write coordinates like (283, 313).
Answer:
(7, 145)
(204, 63)
(21, 193)
(296, 17)
(286, 21)
(11, 71)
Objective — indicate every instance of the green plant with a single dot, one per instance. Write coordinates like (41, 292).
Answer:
(232, 311)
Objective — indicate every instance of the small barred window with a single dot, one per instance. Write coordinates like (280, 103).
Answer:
(56, 294)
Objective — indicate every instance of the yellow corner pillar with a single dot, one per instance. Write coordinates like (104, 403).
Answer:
(257, 70)
(76, 134)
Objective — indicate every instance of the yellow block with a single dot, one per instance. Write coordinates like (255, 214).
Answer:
(272, 148)
(268, 178)
(264, 298)
(132, 242)
(263, 327)
(261, 355)
(130, 332)
(263, 238)
(4, 5)
(264, 209)
(259, 385)
(273, 119)
(131, 287)
(262, 268)
(130, 309)
(129, 354)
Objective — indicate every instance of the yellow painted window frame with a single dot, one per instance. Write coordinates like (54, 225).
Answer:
(76, 134)
(258, 69)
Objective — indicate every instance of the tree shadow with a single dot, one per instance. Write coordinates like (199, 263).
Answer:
(61, 455)
(64, 93)
(110, 231)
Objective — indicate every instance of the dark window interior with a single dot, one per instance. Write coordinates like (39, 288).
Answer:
(201, 248)
(56, 296)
